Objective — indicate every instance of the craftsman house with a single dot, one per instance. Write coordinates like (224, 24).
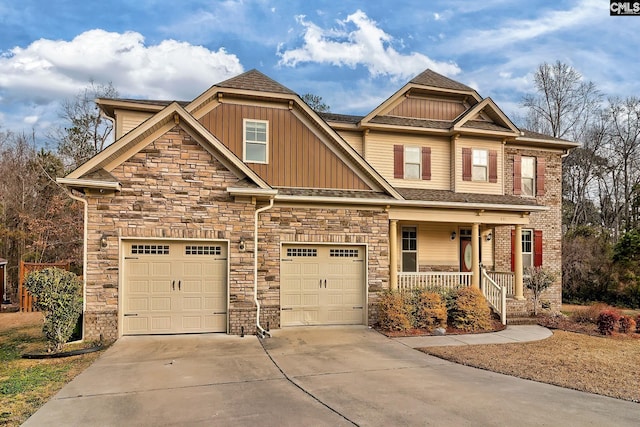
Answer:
(245, 210)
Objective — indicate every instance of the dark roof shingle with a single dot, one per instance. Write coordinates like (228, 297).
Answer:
(433, 79)
(450, 196)
(255, 80)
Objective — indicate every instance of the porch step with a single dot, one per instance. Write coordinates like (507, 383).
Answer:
(522, 320)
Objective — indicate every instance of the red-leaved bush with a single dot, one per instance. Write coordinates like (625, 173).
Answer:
(608, 321)
(627, 325)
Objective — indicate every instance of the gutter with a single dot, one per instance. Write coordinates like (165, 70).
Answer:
(260, 330)
(84, 252)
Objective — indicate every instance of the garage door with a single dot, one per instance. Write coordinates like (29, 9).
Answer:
(174, 287)
(322, 285)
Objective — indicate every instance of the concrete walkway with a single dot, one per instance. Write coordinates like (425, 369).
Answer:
(316, 376)
(513, 334)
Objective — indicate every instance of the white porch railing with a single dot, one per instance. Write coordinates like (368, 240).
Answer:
(506, 279)
(496, 294)
(433, 279)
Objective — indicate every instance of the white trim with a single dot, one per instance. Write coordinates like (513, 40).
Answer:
(246, 121)
(89, 183)
(251, 192)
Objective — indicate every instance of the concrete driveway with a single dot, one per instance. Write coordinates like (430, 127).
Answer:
(308, 377)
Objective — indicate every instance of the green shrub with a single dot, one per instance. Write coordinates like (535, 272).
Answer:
(627, 325)
(589, 314)
(394, 310)
(58, 295)
(430, 310)
(608, 321)
(471, 311)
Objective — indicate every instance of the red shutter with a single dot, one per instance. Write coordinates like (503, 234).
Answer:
(493, 166)
(517, 175)
(426, 163)
(513, 250)
(540, 171)
(398, 161)
(537, 248)
(466, 164)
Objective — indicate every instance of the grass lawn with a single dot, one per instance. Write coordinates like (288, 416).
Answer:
(606, 365)
(26, 384)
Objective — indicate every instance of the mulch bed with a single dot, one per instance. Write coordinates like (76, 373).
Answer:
(415, 332)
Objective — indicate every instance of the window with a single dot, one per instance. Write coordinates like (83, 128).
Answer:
(255, 141)
(527, 248)
(480, 165)
(528, 176)
(532, 247)
(412, 163)
(302, 252)
(409, 249)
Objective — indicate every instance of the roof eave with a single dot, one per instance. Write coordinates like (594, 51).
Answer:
(89, 183)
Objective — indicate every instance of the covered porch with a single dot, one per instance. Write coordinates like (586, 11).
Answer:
(451, 248)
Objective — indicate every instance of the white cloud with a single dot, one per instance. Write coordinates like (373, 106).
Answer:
(359, 41)
(515, 31)
(30, 120)
(49, 70)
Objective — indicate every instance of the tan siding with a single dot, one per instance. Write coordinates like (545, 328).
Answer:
(128, 120)
(354, 139)
(425, 108)
(296, 156)
(435, 246)
(474, 186)
(379, 153)
(487, 248)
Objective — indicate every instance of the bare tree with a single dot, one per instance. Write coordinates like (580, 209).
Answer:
(87, 132)
(564, 104)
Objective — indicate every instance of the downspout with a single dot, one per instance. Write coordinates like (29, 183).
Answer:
(260, 330)
(84, 252)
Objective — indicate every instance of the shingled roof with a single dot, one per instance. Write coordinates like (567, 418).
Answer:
(255, 80)
(450, 196)
(433, 79)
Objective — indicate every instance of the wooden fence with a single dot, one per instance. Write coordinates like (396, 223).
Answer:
(26, 299)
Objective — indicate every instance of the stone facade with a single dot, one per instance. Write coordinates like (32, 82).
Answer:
(323, 225)
(172, 188)
(175, 189)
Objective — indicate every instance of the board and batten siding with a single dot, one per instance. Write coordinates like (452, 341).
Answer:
(297, 157)
(484, 187)
(127, 120)
(428, 108)
(379, 154)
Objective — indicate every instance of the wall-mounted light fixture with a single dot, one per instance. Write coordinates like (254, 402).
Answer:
(453, 235)
(489, 236)
(103, 241)
(241, 245)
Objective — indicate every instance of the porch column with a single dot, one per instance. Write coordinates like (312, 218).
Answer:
(393, 254)
(475, 255)
(517, 264)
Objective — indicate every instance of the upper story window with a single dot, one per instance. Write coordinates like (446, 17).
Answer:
(528, 176)
(411, 162)
(255, 140)
(480, 165)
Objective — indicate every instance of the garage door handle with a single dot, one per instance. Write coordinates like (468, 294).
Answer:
(320, 283)
(325, 283)
(358, 308)
(173, 285)
(179, 282)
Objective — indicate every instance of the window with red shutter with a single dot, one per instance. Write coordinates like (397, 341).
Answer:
(517, 175)
(493, 166)
(466, 164)
(398, 161)
(540, 171)
(426, 163)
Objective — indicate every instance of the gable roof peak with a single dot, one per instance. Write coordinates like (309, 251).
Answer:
(431, 78)
(254, 80)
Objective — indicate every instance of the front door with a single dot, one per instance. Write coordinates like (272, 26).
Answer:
(465, 252)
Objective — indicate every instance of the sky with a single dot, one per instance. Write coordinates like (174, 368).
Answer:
(352, 53)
